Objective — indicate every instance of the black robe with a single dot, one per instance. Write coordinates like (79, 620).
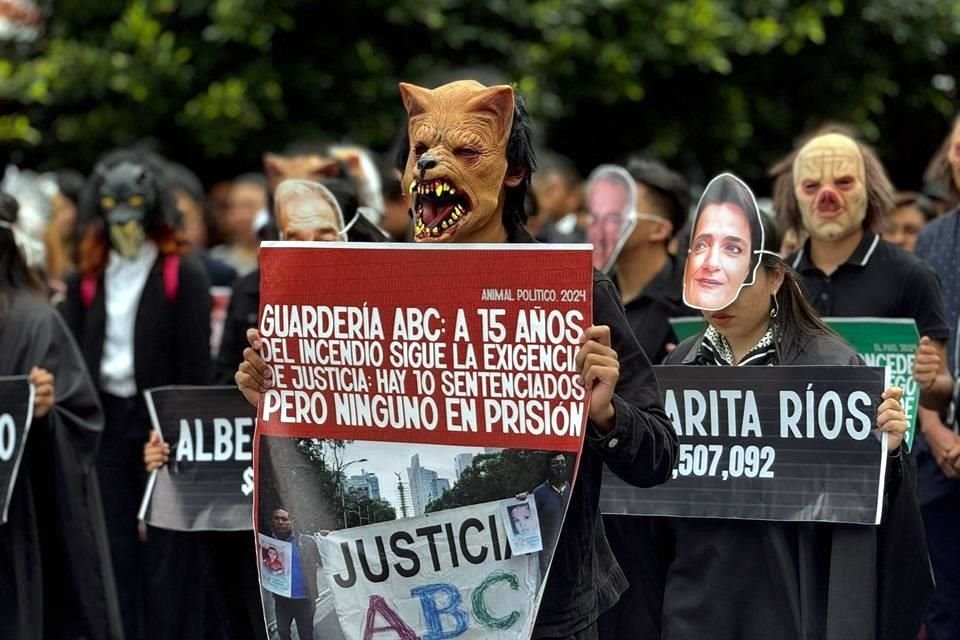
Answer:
(55, 575)
(753, 580)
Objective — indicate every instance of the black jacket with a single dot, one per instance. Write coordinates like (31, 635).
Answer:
(242, 314)
(650, 312)
(585, 579)
(837, 582)
(171, 342)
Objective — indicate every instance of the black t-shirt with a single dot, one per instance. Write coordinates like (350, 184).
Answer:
(879, 280)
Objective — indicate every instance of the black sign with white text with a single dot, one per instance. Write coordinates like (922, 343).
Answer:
(792, 443)
(16, 413)
(208, 482)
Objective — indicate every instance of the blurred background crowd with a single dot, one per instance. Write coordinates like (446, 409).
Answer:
(225, 99)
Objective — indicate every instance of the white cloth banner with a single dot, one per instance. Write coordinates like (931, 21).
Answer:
(444, 575)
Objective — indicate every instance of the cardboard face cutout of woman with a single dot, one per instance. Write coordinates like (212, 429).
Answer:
(611, 197)
(725, 245)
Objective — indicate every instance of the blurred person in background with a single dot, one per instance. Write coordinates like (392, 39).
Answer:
(396, 221)
(188, 192)
(938, 451)
(648, 277)
(315, 161)
(140, 311)
(34, 192)
(330, 214)
(836, 188)
(911, 212)
(55, 575)
(248, 198)
(557, 187)
(362, 169)
(218, 200)
(942, 177)
(69, 187)
(303, 160)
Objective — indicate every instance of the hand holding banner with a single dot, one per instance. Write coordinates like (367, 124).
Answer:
(793, 443)
(208, 482)
(462, 363)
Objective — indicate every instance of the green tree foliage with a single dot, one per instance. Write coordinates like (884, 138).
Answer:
(495, 477)
(705, 84)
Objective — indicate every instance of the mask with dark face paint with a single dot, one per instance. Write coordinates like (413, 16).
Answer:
(124, 204)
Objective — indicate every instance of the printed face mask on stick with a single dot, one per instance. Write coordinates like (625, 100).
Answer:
(123, 203)
(725, 245)
(611, 202)
(308, 211)
(456, 172)
(829, 183)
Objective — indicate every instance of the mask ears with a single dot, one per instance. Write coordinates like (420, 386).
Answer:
(416, 99)
(497, 101)
(272, 166)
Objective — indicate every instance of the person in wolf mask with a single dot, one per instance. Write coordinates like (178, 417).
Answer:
(140, 312)
(467, 174)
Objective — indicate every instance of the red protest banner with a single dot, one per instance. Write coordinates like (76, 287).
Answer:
(471, 346)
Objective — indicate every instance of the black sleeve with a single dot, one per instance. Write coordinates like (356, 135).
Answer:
(76, 412)
(194, 365)
(642, 446)
(71, 307)
(922, 300)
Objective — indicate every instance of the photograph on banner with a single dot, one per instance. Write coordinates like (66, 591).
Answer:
(726, 240)
(405, 421)
(890, 343)
(16, 414)
(311, 489)
(207, 484)
(276, 565)
(793, 443)
(524, 531)
(611, 197)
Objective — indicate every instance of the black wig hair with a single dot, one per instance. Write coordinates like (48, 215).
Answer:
(520, 156)
(70, 184)
(668, 186)
(14, 271)
(163, 218)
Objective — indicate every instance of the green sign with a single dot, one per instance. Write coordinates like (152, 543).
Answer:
(881, 342)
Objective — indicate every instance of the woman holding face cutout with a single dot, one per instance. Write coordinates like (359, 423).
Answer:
(745, 580)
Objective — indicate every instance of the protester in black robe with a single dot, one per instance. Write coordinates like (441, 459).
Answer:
(140, 311)
(55, 574)
(752, 580)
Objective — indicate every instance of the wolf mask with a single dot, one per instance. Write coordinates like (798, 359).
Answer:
(457, 171)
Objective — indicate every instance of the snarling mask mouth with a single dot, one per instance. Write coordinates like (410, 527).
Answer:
(439, 207)
(127, 238)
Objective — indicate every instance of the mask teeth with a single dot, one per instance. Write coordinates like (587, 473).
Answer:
(433, 187)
